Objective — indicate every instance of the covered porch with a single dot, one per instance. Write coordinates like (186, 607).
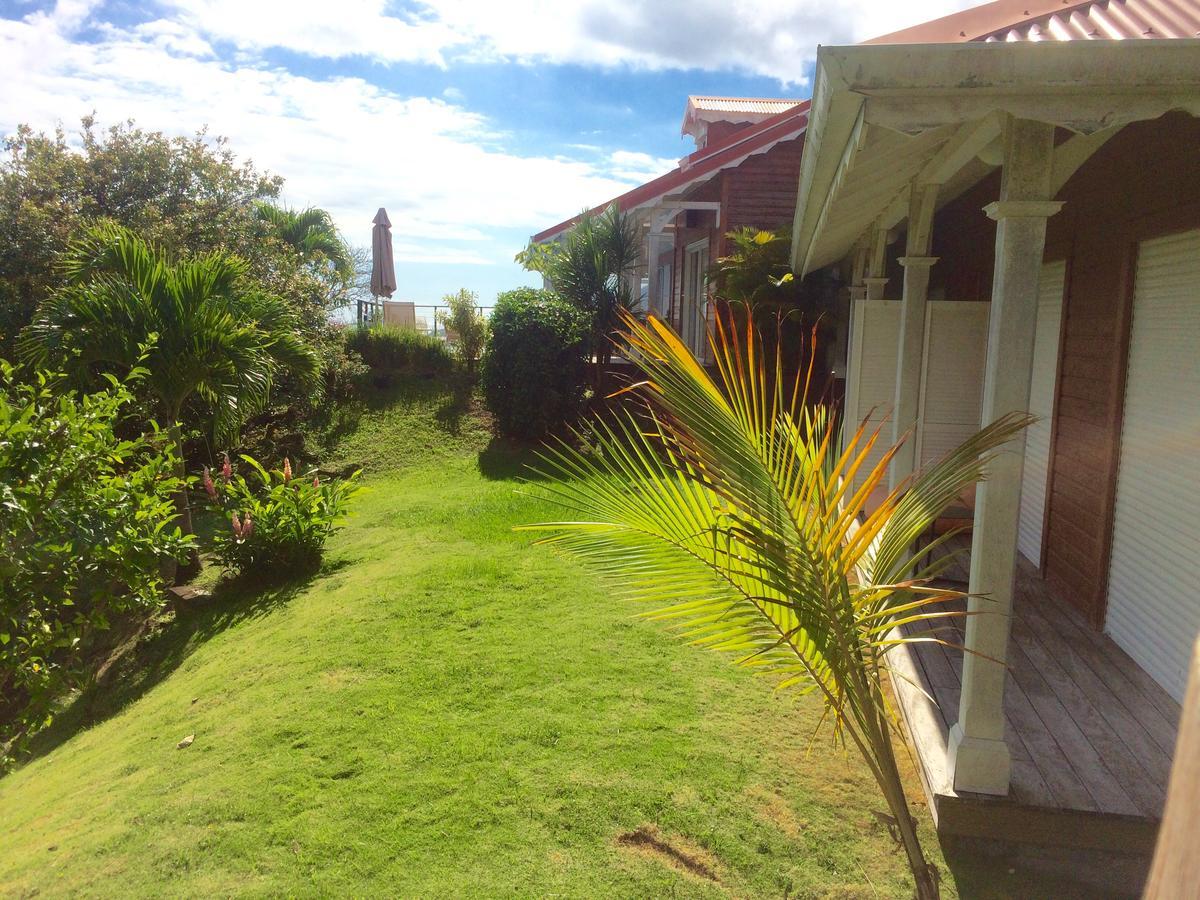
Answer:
(1090, 733)
(1043, 731)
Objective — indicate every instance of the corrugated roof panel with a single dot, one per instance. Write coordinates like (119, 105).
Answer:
(763, 105)
(1108, 20)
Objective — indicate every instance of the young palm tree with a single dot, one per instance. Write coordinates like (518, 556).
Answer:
(729, 505)
(310, 232)
(591, 271)
(197, 327)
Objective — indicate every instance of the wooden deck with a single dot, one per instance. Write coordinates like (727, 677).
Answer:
(1091, 734)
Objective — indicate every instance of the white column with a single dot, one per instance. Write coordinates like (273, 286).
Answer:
(979, 758)
(910, 356)
(909, 362)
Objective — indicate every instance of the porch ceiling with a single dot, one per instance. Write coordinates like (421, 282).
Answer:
(886, 117)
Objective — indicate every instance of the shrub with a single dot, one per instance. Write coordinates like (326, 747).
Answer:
(390, 351)
(275, 524)
(535, 367)
(467, 325)
(86, 525)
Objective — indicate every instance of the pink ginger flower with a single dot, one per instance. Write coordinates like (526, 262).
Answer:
(237, 526)
(247, 527)
(316, 481)
(209, 487)
(226, 469)
(287, 470)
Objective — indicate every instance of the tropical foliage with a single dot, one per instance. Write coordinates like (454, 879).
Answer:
(274, 525)
(184, 194)
(84, 532)
(535, 369)
(466, 327)
(390, 352)
(197, 325)
(311, 233)
(591, 269)
(733, 509)
(757, 272)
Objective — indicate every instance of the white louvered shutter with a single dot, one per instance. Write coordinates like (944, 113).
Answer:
(1041, 404)
(1154, 575)
(871, 378)
(952, 379)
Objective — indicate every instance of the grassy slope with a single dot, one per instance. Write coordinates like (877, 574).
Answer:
(445, 710)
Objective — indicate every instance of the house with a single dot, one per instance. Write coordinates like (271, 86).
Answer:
(1010, 197)
(742, 173)
(1015, 211)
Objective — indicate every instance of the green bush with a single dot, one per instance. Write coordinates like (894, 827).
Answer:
(275, 524)
(390, 351)
(535, 368)
(466, 326)
(86, 525)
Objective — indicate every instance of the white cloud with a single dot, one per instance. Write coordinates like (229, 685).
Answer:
(776, 39)
(454, 194)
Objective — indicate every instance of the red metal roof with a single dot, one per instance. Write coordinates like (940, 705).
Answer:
(1109, 20)
(1057, 20)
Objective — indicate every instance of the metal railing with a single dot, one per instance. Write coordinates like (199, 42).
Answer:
(426, 318)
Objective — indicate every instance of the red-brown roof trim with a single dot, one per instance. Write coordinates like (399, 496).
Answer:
(779, 127)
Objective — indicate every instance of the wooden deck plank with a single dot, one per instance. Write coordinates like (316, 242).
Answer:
(1139, 677)
(1028, 786)
(1065, 786)
(1128, 752)
(1145, 693)
(1089, 667)
(1091, 768)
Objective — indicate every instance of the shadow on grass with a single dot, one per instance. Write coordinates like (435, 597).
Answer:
(507, 460)
(160, 646)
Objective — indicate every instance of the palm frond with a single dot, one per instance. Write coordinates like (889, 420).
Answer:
(729, 506)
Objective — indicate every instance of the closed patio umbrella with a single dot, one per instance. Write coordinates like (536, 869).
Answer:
(383, 266)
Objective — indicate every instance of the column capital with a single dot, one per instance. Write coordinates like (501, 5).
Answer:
(1022, 209)
(879, 281)
(918, 261)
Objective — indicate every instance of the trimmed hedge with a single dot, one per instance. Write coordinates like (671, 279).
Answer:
(389, 351)
(535, 368)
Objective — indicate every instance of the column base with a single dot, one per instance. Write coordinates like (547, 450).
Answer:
(978, 765)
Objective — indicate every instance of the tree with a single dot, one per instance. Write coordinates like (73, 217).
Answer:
(311, 234)
(591, 269)
(467, 326)
(730, 507)
(198, 326)
(182, 194)
(86, 492)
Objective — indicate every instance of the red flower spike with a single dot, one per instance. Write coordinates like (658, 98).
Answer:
(287, 470)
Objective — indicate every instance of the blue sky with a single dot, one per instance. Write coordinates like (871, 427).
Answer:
(474, 122)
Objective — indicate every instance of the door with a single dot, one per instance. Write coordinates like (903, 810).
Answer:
(1044, 378)
(1154, 571)
(695, 299)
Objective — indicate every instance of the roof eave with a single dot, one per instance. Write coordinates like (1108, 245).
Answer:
(914, 89)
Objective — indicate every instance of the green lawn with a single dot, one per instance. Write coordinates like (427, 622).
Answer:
(444, 710)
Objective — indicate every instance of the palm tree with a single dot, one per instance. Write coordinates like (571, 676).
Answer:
(197, 327)
(591, 270)
(310, 232)
(728, 505)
